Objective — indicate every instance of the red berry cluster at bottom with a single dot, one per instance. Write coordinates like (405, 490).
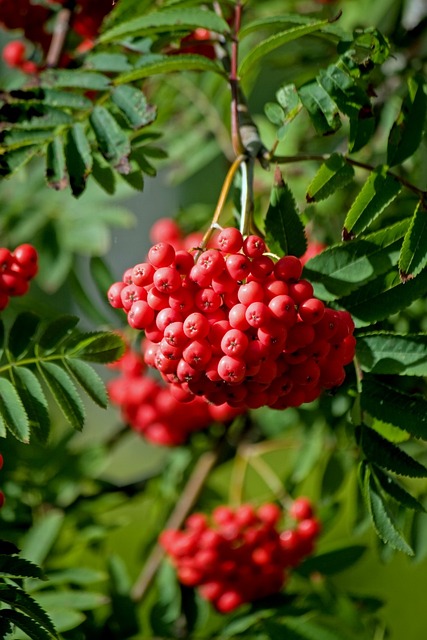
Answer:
(241, 555)
(17, 268)
(149, 407)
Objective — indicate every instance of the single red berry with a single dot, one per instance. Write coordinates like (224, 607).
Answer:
(13, 53)
(161, 254)
(301, 509)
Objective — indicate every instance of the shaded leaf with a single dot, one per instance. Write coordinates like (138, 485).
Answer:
(99, 347)
(335, 173)
(384, 352)
(407, 131)
(14, 567)
(113, 141)
(55, 164)
(64, 392)
(332, 562)
(133, 104)
(413, 256)
(284, 230)
(104, 175)
(321, 108)
(388, 456)
(12, 161)
(26, 624)
(56, 331)
(34, 401)
(87, 378)
(395, 490)
(78, 158)
(22, 333)
(19, 599)
(12, 411)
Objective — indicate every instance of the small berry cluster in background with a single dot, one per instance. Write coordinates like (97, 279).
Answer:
(17, 268)
(2, 497)
(149, 408)
(232, 325)
(241, 555)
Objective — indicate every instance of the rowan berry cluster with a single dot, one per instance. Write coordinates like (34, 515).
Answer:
(17, 268)
(149, 408)
(241, 555)
(232, 325)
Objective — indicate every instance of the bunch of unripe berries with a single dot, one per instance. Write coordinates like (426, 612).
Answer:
(241, 555)
(150, 409)
(17, 268)
(230, 324)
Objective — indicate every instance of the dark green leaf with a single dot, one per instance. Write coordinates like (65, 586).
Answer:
(55, 164)
(104, 175)
(341, 268)
(160, 64)
(395, 490)
(321, 108)
(413, 257)
(387, 456)
(407, 132)
(332, 562)
(8, 548)
(85, 302)
(389, 404)
(12, 411)
(19, 599)
(77, 78)
(14, 567)
(113, 141)
(55, 98)
(277, 40)
(78, 158)
(64, 392)
(42, 117)
(335, 173)
(26, 624)
(133, 104)
(88, 379)
(380, 189)
(284, 230)
(22, 333)
(381, 518)
(14, 160)
(56, 331)
(299, 629)
(390, 353)
(108, 62)
(167, 20)
(99, 347)
(34, 401)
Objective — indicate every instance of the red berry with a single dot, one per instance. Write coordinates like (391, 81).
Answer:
(13, 53)
(301, 509)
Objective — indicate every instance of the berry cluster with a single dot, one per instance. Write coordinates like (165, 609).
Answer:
(231, 325)
(149, 407)
(240, 555)
(17, 268)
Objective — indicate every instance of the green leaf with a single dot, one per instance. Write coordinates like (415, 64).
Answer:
(284, 18)
(85, 302)
(12, 411)
(56, 331)
(76, 575)
(288, 98)
(19, 599)
(413, 256)
(78, 158)
(98, 347)
(342, 268)
(321, 108)
(384, 296)
(133, 104)
(407, 132)
(387, 456)
(381, 518)
(277, 40)
(55, 164)
(22, 333)
(395, 490)
(74, 78)
(36, 118)
(8, 548)
(335, 173)
(299, 629)
(108, 62)
(284, 230)
(160, 64)
(14, 567)
(12, 161)
(104, 175)
(113, 141)
(64, 392)
(42, 536)
(34, 401)
(380, 189)
(332, 562)
(80, 600)
(384, 352)
(89, 380)
(167, 20)
(55, 98)
(26, 624)
(389, 404)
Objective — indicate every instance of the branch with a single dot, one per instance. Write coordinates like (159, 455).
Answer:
(59, 35)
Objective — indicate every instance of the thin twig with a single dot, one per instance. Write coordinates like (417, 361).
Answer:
(59, 35)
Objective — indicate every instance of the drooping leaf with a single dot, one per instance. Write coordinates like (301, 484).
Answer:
(98, 347)
(168, 19)
(22, 333)
(388, 456)
(23, 118)
(395, 490)
(55, 164)
(78, 158)
(19, 599)
(381, 517)
(26, 624)
(64, 392)
(12, 161)
(320, 107)
(87, 377)
(14, 567)
(384, 352)
(133, 104)
(12, 411)
(332, 562)
(413, 256)
(33, 398)
(113, 141)
(277, 40)
(335, 173)
(159, 64)
(284, 229)
(104, 175)
(56, 331)
(390, 404)
(407, 132)
(380, 189)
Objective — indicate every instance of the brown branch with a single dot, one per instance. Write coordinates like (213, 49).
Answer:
(59, 35)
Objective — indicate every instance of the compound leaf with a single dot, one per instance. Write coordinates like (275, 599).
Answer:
(388, 456)
(85, 375)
